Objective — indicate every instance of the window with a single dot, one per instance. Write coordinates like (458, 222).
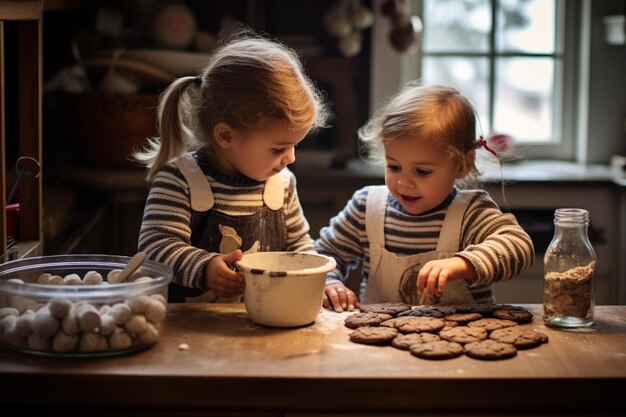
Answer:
(515, 60)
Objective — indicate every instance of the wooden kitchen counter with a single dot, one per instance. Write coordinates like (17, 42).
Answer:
(234, 367)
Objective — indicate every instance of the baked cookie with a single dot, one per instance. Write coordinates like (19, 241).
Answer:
(490, 349)
(464, 334)
(395, 322)
(450, 324)
(437, 312)
(491, 324)
(513, 313)
(463, 318)
(385, 308)
(373, 335)
(519, 336)
(483, 309)
(404, 341)
(440, 349)
(410, 324)
(365, 319)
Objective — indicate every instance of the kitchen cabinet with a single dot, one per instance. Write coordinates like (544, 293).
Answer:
(533, 190)
(534, 205)
(21, 80)
(24, 72)
(234, 367)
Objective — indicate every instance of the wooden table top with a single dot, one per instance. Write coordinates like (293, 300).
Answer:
(318, 368)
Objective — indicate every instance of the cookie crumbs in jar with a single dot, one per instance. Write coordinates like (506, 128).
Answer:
(570, 292)
(569, 269)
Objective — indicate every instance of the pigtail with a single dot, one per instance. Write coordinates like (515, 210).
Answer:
(175, 137)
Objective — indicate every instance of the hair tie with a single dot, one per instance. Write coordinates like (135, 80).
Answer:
(198, 80)
(483, 143)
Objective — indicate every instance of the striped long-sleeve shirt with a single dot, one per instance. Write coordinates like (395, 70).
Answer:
(165, 233)
(492, 241)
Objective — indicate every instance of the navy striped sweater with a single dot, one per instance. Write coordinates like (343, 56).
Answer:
(492, 241)
(165, 233)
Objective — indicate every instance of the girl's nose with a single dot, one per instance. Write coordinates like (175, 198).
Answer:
(289, 157)
(405, 180)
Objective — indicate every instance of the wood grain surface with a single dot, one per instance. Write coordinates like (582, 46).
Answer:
(233, 364)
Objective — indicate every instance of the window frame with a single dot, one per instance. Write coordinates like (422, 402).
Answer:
(565, 144)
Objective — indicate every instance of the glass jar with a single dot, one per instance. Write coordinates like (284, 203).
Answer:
(569, 269)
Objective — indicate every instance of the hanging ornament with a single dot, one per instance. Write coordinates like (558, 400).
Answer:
(405, 29)
(345, 20)
(360, 16)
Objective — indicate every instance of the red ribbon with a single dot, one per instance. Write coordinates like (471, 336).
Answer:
(483, 143)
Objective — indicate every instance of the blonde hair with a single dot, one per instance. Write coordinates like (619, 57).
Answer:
(435, 112)
(246, 81)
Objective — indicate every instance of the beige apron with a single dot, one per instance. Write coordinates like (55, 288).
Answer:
(393, 278)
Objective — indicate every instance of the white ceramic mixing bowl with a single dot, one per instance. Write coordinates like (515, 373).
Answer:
(284, 289)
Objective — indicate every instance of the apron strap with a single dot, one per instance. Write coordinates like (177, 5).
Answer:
(274, 192)
(376, 206)
(199, 187)
(450, 235)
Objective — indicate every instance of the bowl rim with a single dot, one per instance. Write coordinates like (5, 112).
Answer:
(325, 268)
(79, 260)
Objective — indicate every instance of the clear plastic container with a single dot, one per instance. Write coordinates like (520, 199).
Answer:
(69, 305)
(569, 269)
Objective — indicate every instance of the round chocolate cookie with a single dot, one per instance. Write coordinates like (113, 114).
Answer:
(410, 324)
(490, 349)
(449, 324)
(395, 322)
(463, 318)
(385, 308)
(430, 311)
(404, 341)
(513, 313)
(422, 324)
(521, 337)
(365, 319)
(491, 324)
(440, 349)
(482, 309)
(373, 335)
(463, 334)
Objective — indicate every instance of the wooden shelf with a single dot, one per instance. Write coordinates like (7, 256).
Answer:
(21, 10)
(27, 16)
(57, 5)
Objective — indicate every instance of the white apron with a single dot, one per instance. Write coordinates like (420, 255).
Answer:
(393, 278)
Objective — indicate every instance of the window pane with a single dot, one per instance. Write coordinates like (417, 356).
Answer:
(468, 75)
(456, 25)
(526, 26)
(523, 98)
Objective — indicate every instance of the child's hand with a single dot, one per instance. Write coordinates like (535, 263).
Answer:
(340, 298)
(434, 275)
(221, 279)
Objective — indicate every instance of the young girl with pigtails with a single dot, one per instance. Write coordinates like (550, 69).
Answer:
(420, 238)
(219, 183)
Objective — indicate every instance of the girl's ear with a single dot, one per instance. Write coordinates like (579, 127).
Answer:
(223, 135)
(465, 164)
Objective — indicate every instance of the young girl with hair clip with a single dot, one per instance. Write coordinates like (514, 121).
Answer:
(420, 238)
(219, 185)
